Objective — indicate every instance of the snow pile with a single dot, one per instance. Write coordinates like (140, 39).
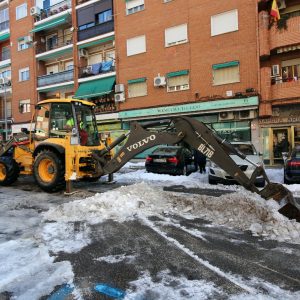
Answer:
(246, 212)
(240, 210)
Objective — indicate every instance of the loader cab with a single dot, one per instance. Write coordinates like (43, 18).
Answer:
(57, 119)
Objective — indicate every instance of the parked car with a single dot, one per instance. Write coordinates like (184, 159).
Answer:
(172, 160)
(292, 167)
(218, 175)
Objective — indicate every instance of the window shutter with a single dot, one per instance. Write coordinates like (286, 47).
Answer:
(133, 3)
(226, 75)
(224, 22)
(136, 45)
(95, 59)
(137, 89)
(178, 80)
(176, 34)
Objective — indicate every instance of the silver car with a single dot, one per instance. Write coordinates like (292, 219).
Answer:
(218, 175)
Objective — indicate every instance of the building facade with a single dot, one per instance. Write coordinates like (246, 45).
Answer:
(225, 63)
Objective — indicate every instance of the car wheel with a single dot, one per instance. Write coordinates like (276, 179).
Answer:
(211, 181)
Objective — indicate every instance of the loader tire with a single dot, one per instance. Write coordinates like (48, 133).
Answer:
(49, 171)
(9, 170)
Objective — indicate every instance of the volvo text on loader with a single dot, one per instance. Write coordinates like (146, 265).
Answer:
(65, 146)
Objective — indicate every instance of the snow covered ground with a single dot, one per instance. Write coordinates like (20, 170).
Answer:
(28, 271)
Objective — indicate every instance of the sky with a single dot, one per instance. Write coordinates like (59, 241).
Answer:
(28, 235)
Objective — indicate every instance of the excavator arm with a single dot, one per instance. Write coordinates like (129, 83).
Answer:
(200, 137)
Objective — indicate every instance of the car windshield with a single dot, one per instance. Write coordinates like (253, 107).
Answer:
(246, 149)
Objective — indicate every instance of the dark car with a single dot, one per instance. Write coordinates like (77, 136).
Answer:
(292, 167)
(172, 160)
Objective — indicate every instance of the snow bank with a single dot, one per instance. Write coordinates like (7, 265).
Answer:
(241, 210)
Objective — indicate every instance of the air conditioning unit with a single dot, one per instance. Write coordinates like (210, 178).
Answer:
(120, 97)
(35, 11)
(247, 114)
(281, 4)
(160, 81)
(119, 88)
(275, 70)
(28, 39)
(226, 115)
(83, 53)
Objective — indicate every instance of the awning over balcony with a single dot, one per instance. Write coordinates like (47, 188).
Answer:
(50, 24)
(95, 88)
(98, 42)
(288, 48)
(4, 36)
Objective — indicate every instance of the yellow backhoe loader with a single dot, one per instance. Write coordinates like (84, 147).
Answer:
(65, 146)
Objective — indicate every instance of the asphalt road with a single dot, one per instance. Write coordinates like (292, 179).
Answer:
(219, 255)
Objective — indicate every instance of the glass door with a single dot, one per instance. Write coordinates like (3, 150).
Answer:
(281, 144)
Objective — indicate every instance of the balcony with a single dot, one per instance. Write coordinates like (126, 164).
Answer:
(53, 10)
(285, 37)
(100, 68)
(53, 43)
(55, 78)
(287, 89)
(95, 30)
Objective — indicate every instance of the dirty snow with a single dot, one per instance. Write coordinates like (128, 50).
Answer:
(27, 237)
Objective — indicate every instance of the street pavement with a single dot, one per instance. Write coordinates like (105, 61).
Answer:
(168, 243)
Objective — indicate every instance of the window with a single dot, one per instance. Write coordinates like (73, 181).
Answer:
(5, 74)
(104, 16)
(224, 22)
(21, 11)
(176, 35)
(52, 69)
(24, 74)
(22, 45)
(24, 106)
(178, 81)
(51, 41)
(136, 45)
(137, 87)
(86, 26)
(69, 65)
(133, 6)
(4, 19)
(5, 53)
(226, 73)
(290, 70)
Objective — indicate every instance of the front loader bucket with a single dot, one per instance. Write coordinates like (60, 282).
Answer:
(289, 207)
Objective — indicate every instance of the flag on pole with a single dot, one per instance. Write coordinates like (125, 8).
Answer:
(275, 11)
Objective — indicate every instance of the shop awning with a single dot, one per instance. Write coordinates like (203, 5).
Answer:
(50, 24)
(95, 88)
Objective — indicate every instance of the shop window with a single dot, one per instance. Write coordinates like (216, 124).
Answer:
(233, 131)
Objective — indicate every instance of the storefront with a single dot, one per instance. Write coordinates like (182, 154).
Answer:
(232, 119)
(280, 133)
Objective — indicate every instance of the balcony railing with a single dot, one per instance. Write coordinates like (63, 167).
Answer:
(4, 25)
(81, 1)
(285, 89)
(95, 30)
(4, 55)
(53, 43)
(55, 78)
(96, 69)
(54, 9)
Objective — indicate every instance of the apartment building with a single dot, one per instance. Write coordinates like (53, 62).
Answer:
(222, 62)
(279, 51)
(56, 49)
(196, 58)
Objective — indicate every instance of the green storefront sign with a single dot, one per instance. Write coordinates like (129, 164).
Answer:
(187, 108)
